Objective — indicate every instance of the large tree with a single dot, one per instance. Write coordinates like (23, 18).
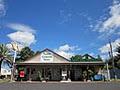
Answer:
(5, 56)
(117, 58)
(25, 53)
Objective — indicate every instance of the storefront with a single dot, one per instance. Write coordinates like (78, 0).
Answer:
(48, 65)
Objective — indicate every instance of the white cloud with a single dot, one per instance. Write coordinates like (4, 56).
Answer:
(78, 49)
(20, 27)
(25, 38)
(2, 8)
(104, 57)
(66, 16)
(65, 50)
(106, 48)
(91, 54)
(24, 34)
(66, 54)
(111, 24)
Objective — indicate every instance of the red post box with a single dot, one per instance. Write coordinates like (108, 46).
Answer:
(22, 73)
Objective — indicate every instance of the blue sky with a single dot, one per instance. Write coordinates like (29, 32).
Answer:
(68, 27)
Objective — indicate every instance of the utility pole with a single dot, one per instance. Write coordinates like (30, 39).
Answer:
(111, 57)
(108, 72)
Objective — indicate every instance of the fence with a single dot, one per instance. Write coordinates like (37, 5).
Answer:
(117, 73)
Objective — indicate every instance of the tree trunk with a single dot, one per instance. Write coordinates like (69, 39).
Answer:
(0, 67)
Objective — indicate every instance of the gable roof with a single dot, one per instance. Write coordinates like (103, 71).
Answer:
(44, 51)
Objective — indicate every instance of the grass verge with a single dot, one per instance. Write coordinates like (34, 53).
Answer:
(4, 80)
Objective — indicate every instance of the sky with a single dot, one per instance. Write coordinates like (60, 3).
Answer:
(68, 27)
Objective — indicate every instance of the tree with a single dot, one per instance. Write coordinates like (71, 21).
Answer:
(37, 52)
(100, 58)
(84, 58)
(116, 59)
(25, 53)
(76, 58)
(5, 56)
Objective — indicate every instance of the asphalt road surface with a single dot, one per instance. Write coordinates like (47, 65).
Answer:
(59, 86)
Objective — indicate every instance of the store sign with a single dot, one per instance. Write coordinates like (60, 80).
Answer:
(22, 73)
(64, 73)
(47, 56)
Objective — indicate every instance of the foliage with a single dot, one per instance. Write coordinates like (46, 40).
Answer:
(118, 63)
(116, 59)
(84, 74)
(5, 56)
(25, 53)
(39, 75)
(37, 52)
(90, 72)
(20, 68)
(76, 58)
(85, 58)
(87, 73)
(100, 58)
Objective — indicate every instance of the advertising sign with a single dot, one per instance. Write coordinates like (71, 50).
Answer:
(64, 73)
(46, 56)
(22, 73)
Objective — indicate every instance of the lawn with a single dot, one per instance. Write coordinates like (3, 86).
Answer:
(4, 80)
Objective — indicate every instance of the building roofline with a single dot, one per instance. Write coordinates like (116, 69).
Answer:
(62, 63)
(43, 51)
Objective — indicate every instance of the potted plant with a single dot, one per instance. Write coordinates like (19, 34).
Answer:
(84, 75)
(90, 74)
(39, 75)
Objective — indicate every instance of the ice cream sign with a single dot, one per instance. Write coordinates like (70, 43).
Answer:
(46, 56)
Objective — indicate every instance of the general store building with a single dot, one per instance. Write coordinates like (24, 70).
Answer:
(55, 67)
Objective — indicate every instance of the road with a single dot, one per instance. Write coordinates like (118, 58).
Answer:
(59, 86)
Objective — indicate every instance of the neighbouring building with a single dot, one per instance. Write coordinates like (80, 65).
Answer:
(5, 73)
(54, 67)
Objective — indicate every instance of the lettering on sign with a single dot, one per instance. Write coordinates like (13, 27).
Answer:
(47, 56)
